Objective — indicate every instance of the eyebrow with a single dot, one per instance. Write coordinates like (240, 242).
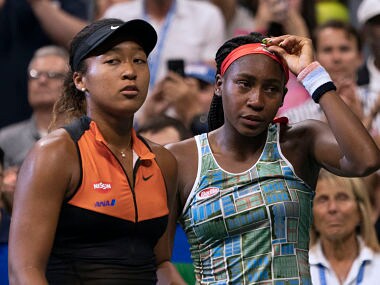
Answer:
(250, 76)
(136, 48)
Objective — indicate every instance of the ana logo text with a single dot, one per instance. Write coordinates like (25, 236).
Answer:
(105, 203)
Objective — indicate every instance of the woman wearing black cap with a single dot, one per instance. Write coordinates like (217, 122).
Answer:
(93, 198)
(246, 187)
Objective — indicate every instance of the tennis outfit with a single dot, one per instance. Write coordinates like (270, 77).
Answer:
(108, 228)
(364, 270)
(250, 227)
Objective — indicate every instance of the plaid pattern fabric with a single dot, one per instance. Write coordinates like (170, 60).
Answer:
(250, 227)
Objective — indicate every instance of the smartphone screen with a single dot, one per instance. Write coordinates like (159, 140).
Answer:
(177, 65)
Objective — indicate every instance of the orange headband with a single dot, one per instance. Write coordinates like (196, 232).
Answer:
(251, 49)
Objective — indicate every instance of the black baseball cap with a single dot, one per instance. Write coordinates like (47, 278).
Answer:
(110, 32)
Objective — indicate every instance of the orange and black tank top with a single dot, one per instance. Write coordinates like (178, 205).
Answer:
(108, 228)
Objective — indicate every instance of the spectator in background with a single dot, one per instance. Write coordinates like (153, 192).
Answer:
(239, 20)
(187, 29)
(368, 15)
(369, 74)
(22, 31)
(186, 98)
(344, 247)
(46, 73)
(279, 17)
(163, 130)
(338, 48)
(100, 6)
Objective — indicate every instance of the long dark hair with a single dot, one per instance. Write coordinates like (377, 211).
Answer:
(216, 115)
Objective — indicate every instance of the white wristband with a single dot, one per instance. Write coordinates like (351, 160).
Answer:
(316, 80)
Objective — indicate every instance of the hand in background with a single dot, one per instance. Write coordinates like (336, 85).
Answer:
(284, 12)
(9, 186)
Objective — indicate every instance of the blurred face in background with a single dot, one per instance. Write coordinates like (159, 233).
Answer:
(336, 212)
(372, 33)
(46, 75)
(338, 52)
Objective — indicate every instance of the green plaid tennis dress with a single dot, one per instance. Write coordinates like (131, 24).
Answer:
(250, 227)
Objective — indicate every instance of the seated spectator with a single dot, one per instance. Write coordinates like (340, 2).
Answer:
(279, 17)
(368, 15)
(185, 98)
(25, 26)
(369, 74)
(187, 29)
(239, 19)
(46, 73)
(344, 248)
(339, 49)
(163, 130)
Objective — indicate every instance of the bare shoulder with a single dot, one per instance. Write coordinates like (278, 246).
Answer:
(162, 154)
(184, 151)
(57, 145)
(187, 157)
(52, 162)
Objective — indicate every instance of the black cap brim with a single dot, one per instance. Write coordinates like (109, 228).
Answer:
(110, 35)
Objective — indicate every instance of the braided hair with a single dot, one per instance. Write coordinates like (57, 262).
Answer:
(216, 115)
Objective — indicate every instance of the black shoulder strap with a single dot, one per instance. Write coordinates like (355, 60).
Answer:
(78, 127)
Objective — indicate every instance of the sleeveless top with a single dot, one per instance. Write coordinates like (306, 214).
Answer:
(108, 228)
(250, 227)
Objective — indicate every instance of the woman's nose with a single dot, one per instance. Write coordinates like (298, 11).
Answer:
(129, 71)
(255, 98)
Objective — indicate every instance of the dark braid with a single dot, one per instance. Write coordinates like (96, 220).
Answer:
(216, 115)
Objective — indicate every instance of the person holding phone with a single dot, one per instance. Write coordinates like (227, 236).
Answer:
(92, 198)
(246, 186)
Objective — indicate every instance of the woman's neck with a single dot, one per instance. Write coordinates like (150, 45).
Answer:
(341, 254)
(340, 249)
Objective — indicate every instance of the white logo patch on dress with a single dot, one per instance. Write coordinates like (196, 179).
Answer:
(102, 187)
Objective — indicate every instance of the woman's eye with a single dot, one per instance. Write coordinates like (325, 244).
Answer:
(320, 200)
(140, 60)
(342, 197)
(271, 89)
(243, 83)
(112, 61)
